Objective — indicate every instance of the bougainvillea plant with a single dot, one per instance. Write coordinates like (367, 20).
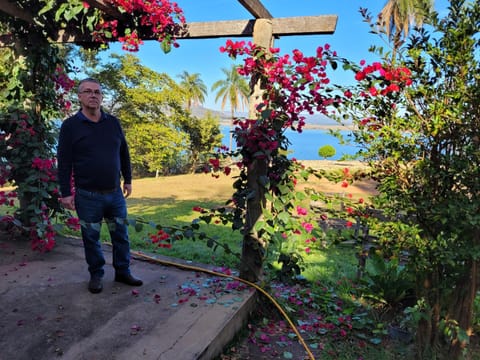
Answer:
(293, 86)
(121, 20)
(28, 162)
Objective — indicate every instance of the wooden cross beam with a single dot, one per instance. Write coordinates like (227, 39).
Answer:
(303, 25)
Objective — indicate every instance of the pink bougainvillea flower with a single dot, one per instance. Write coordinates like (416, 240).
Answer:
(307, 226)
(301, 211)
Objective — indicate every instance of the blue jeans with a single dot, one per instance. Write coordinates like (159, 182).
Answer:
(92, 208)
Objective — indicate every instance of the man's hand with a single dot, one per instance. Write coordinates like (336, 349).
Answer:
(68, 202)
(127, 190)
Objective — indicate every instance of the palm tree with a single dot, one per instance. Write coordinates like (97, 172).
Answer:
(397, 16)
(235, 90)
(194, 89)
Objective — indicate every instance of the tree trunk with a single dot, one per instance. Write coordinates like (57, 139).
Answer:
(463, 303)
(194, 164)
(430, 340)
(253, 249)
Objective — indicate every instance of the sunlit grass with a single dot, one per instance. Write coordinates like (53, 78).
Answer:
(169, 201)
(329, 266)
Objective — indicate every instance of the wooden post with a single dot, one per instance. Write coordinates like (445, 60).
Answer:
(253, 249)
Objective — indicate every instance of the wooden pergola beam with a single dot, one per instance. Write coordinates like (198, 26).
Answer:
(302, 25)
(256, 8)
(15, 11)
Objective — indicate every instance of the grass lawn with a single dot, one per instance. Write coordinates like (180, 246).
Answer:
(169, 201)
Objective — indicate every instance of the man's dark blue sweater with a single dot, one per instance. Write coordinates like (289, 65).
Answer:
(95, 152)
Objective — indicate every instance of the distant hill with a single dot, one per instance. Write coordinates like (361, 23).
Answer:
(200, 111)
(312, 120)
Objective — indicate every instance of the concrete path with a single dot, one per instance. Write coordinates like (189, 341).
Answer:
(46, 311)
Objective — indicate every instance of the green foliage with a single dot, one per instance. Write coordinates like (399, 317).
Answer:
(204, 135)
(418, 115)
(327, 151)
(386, 281)
(154, 147)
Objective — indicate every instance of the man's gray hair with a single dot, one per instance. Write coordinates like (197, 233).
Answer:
(92, 80)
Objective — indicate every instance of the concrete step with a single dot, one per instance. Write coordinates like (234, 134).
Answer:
(46, 310)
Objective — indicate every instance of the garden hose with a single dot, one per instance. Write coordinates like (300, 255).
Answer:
(211, 272)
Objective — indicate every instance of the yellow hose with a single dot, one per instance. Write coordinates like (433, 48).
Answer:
(195, 268)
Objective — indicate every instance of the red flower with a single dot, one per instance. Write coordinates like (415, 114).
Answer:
(359, 76)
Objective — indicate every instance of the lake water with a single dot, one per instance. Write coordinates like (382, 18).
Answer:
(305, 145)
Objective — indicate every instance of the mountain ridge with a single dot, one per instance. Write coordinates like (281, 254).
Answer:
(312, 121)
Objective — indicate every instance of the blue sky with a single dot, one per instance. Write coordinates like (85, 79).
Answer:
(351, 38)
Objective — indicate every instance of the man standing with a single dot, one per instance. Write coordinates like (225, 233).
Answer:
(92, 148)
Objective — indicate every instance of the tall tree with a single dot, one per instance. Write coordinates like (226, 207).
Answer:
(193, 88)
(205, 136)
(397, 16)
(234, 90)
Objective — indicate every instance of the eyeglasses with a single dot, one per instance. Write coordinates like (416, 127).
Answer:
(90, 92)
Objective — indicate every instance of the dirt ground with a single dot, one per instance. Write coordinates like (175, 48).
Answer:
(204, 187)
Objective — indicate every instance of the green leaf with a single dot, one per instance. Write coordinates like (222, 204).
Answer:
(259, 225)
(60, 11)
(166, 46)
(48, 6)
(284, 217)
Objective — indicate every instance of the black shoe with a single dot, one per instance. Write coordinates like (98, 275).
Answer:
(95, 285)
(128, 279)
